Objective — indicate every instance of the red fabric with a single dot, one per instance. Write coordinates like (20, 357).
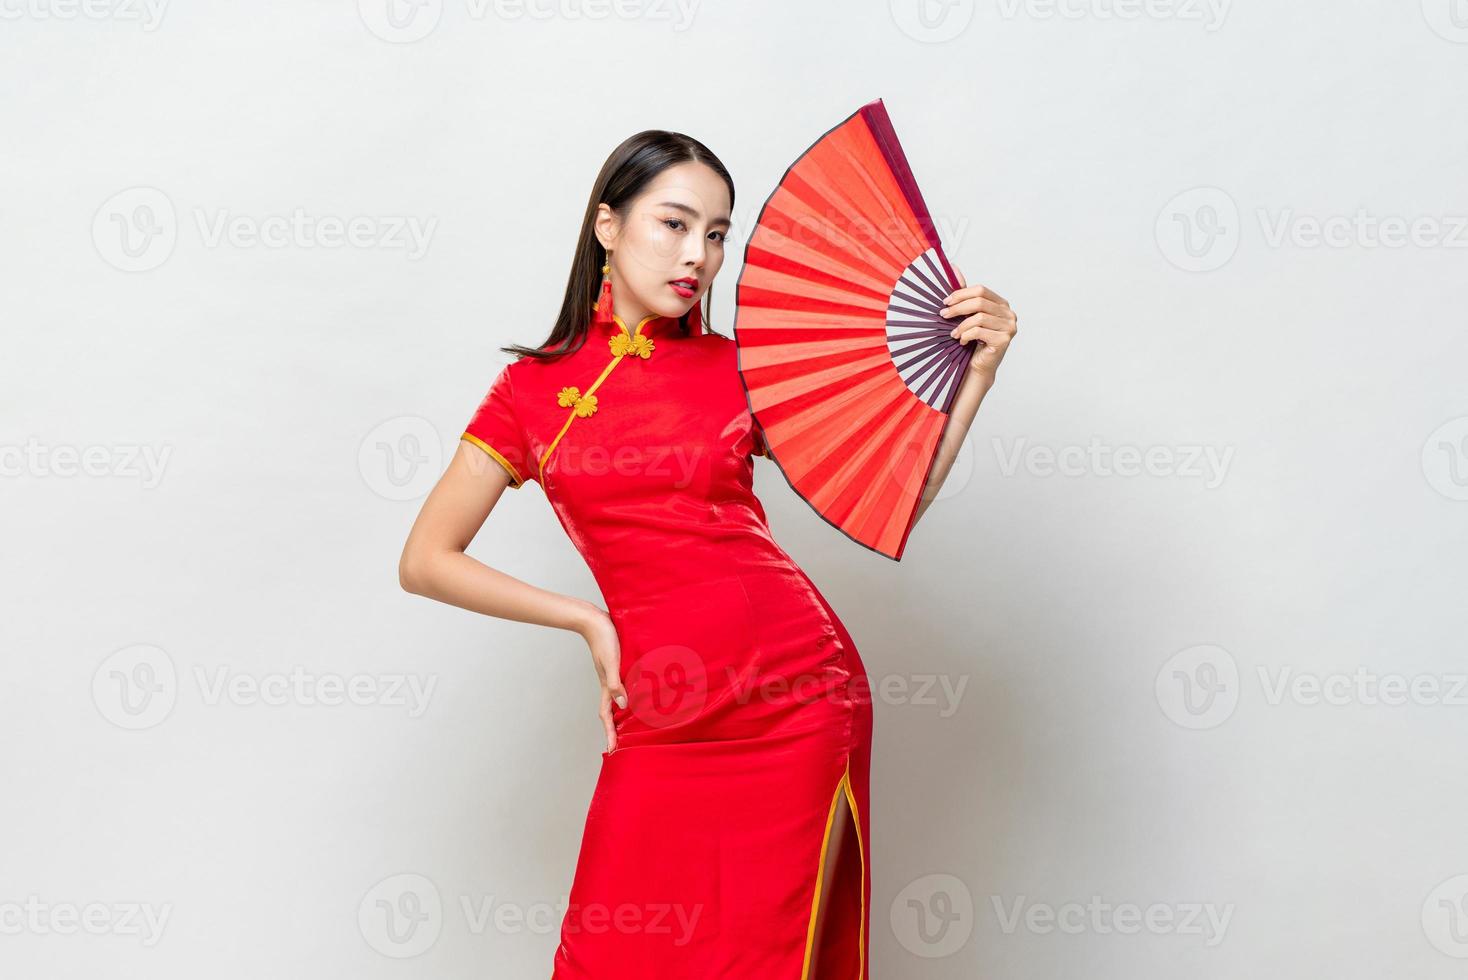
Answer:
(495, 424)
(748, 701)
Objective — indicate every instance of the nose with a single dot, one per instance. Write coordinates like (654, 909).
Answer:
(697, 252)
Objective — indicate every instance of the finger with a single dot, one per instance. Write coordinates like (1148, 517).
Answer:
(990, 294)
(996, 339)
(981, 292)
(614, 689)
(976, 304)
(608, 724)
(962, 282)
(1003, 325)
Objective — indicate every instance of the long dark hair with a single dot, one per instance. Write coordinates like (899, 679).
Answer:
(629, 169)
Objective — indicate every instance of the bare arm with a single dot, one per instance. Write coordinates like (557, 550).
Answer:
(979, 314)
(965, 406)
(434, 565)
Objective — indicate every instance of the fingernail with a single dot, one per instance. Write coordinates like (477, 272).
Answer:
(943, 311)
(622, 702)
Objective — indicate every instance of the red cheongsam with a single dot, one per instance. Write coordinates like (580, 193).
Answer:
(748, 713)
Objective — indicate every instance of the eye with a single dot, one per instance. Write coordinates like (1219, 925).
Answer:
(723, 236)
(674, 223)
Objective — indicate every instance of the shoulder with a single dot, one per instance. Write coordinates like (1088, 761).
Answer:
(718, 343)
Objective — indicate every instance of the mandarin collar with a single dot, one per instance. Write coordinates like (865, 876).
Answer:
(652, 325)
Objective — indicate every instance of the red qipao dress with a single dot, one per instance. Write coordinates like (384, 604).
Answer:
(749, 715)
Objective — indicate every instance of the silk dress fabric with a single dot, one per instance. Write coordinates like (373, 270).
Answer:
(748, 712)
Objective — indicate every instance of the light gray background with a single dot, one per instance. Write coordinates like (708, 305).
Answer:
(1097, 717)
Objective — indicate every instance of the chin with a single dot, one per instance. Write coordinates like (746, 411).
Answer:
(674, 309)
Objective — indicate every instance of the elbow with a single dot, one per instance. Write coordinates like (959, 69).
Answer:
(410, 572)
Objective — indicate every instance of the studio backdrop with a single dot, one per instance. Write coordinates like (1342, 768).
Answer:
(1169, 682)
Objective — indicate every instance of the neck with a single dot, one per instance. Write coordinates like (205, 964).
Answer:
(628, 310)
(647, 324)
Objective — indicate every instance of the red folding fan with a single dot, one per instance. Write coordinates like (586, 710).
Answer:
(848, 367)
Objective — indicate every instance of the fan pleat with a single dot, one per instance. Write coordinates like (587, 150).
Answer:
(772, 264)
(840, 250)
(846, 234)
(822, 428)
(791, 389)
(784, 248)
(864, 472)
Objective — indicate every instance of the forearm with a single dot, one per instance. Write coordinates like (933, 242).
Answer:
(965, 406)
(459, 580)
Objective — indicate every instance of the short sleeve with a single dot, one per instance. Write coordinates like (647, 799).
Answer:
(495, 428)
(761, 448)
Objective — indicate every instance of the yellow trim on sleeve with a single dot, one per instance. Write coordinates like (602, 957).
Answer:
(516, 480)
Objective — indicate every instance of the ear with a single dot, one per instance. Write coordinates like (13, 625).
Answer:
(606, 227)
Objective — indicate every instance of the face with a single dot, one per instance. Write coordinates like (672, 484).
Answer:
(675, 230)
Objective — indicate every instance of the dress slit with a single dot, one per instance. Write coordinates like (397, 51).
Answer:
(835, 959)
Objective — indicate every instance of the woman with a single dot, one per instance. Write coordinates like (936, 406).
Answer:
(728, 835)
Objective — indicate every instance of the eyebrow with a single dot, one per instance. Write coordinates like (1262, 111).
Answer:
(693, 213)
